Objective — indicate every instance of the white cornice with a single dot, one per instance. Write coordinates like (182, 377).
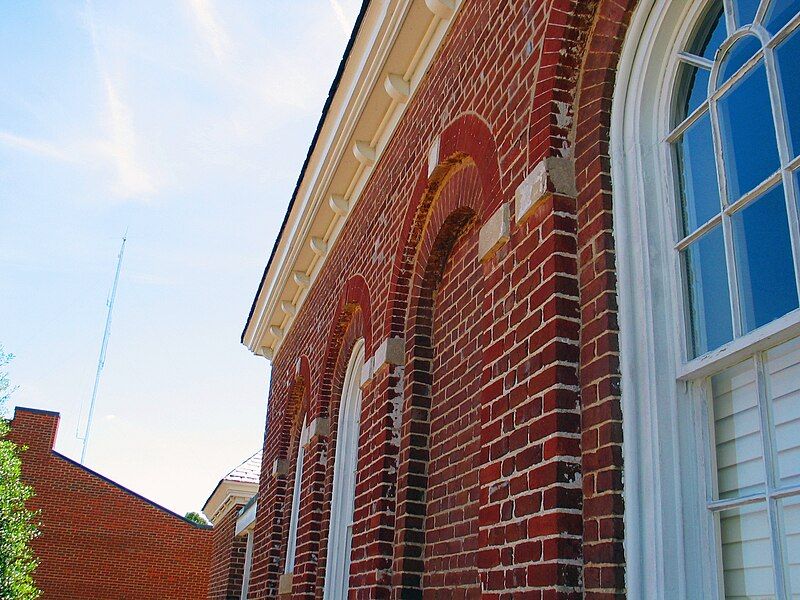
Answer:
(395, 45)
(227, 495)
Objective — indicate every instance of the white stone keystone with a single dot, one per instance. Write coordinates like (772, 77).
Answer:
(495, 232)
(553, 174)
(318, 427)
(280, 467)
(433, 155)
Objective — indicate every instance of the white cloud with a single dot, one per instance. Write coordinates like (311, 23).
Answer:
(133, 181)
(341, 17)
(211, 29)
(38, 147)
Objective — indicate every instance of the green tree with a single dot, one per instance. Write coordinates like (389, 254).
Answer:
(18, 525)
(196, 517)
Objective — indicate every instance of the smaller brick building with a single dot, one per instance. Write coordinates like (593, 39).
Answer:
(101, 541)
(231, 508)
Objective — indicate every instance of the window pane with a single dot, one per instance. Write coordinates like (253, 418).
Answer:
(708, 292)
(742, 50)
(748, 133)
(791, 525)
(783, 370)
(692, 90)
(789, 71)
(780, 13)
(698, 175)
(764, 263)
(745, 11)
(711, 33)
(747, 553)
(737, 432)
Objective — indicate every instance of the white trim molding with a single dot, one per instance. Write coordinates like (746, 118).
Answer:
(396, 42)
(666, 530)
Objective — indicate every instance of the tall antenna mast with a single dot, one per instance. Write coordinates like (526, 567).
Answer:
(102, 360)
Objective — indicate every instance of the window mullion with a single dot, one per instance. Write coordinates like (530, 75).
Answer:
(770, 466)
(730, 257)
(730, 19)
(762, 11)
(733, 281)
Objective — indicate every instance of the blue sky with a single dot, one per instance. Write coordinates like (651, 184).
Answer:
(186, 121)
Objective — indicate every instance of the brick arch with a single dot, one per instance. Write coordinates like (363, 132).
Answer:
(466, 143)
(351, 323)
(274, 492)
(297, 408)
(453, 216)
(354, 308)
(355, 331)
(603, 25)
(560, 53)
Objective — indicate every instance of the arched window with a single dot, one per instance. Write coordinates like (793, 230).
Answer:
(340, 536)
(706, 145)
(294, 517)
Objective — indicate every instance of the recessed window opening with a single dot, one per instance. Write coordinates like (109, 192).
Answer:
(294, 517)
(340, 537)
(735, 140)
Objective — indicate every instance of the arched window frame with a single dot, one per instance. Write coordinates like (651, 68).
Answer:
(297, 492)
(340, 534)
(670, 543)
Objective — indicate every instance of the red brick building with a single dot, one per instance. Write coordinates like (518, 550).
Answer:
(532, 237)
(99, 540)
(231, 508)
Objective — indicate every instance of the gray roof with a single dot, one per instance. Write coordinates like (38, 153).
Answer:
(248, 471)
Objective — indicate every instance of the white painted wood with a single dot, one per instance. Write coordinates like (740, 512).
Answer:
(441, 8)
(398, 88)
(339, 205)
(318, 246)
(248, 566)
(364, 153)
(678, 437)
(659, 524)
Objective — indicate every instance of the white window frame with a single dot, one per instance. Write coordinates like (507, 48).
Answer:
(294, 517)
(248, 565)
(340, 533)
(666, 461)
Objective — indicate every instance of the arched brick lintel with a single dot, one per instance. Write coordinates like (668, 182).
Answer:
(354, 301)
(599, 373)
(467, 141)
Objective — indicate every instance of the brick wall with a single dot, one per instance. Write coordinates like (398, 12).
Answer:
(227, 558)
(100, 541)
(507, 403)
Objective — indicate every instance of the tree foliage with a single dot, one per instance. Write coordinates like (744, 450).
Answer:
(18, 525)
(196, 517)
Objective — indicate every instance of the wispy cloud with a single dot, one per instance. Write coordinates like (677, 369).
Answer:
(37, 147)
(211, 29)
(341, 17)
(133, 179)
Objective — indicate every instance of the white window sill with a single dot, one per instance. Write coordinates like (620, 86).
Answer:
(763, 338)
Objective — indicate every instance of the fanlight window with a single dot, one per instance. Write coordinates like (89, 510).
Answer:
(736, 143)
(736, 140)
